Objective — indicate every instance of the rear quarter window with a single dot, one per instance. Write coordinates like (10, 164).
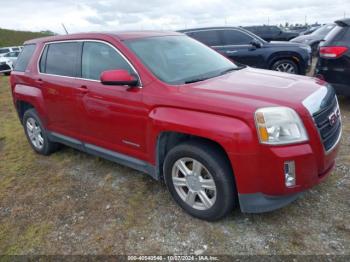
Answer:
(24, 58)
(338, 36)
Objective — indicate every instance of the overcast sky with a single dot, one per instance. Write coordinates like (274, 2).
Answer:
(109, 15)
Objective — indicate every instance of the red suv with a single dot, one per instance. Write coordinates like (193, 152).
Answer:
(218, 134)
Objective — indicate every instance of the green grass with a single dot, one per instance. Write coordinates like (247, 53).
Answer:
(15, 38)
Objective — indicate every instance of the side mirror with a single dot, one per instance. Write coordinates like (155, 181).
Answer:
(256, 43)
(119, 77)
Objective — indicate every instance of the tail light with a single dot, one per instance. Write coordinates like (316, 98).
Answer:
(332, 51)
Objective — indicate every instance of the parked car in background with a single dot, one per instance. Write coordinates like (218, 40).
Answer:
(315, 38)
(7, 62)
(334, 58)
(218, 134)
(271, 33)
(310, 30)
(5, 50)
(298, 29)
(244, 47)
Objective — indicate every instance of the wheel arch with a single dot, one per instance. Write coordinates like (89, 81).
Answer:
(171, 126)
(26, 97)
(293, 56)
(169, 139)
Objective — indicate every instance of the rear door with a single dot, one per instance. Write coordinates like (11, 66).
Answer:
(58, 71)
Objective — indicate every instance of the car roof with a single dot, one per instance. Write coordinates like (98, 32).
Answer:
(207, 28)
(343, 22)
(120, 35)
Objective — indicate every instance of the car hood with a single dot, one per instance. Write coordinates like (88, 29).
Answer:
(306, 38)
(252, 88)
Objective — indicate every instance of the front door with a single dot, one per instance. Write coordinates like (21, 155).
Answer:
(114, 117)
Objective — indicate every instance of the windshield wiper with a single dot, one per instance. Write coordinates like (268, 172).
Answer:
(196, 80)
(231, 69)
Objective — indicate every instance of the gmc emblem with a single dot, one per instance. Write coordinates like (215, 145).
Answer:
(333, 118)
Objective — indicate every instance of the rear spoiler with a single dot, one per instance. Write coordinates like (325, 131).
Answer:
(343, 22)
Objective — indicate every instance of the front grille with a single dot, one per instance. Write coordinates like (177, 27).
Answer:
(328, 122)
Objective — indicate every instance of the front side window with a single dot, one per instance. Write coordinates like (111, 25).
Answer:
(98, 57)
(24, 58)
(61, 59)
(235, 37)
(179, 59)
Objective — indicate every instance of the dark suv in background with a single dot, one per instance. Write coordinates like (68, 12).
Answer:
(244, 47)
(314, 38)
(271, 33)
(334, 58)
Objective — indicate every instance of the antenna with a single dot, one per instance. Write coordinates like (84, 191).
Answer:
(65, 29)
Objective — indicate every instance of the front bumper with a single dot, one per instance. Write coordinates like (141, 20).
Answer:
(259, 203)
(260, 177)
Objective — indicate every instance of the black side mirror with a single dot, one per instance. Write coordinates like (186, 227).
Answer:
(256, 43)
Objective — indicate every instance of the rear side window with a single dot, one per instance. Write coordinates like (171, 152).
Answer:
(98, 57)
(210, 38)
(4, 50)
(24, 58)
(337, 36)
(60, 59)
(235, 37)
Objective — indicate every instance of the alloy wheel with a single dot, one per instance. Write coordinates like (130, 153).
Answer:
(194, 183)
(34, 133)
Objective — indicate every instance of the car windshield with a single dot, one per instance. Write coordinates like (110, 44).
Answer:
(180, 59)
(323, 30)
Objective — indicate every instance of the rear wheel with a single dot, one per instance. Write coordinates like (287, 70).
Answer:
(36, 133)
(286, 66)
(200, 180)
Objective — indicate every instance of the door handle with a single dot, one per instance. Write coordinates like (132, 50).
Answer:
(231, 52)
(83, 89)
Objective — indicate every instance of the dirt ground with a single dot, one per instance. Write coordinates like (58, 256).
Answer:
(74, 203)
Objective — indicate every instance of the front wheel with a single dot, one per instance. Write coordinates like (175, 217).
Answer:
(286, 66)
(200, 179)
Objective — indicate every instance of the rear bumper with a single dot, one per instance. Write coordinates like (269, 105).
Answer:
(341, 89)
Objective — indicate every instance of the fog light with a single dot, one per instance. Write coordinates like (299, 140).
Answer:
(289, 173)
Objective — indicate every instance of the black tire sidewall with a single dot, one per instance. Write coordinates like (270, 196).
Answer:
(225, 186)
(31, 113)
(282, 61)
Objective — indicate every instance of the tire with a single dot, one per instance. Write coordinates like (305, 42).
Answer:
(215, 167)
(38, 138)
(285, 65)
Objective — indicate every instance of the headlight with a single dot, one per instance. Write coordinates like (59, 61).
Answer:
(279, 125)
